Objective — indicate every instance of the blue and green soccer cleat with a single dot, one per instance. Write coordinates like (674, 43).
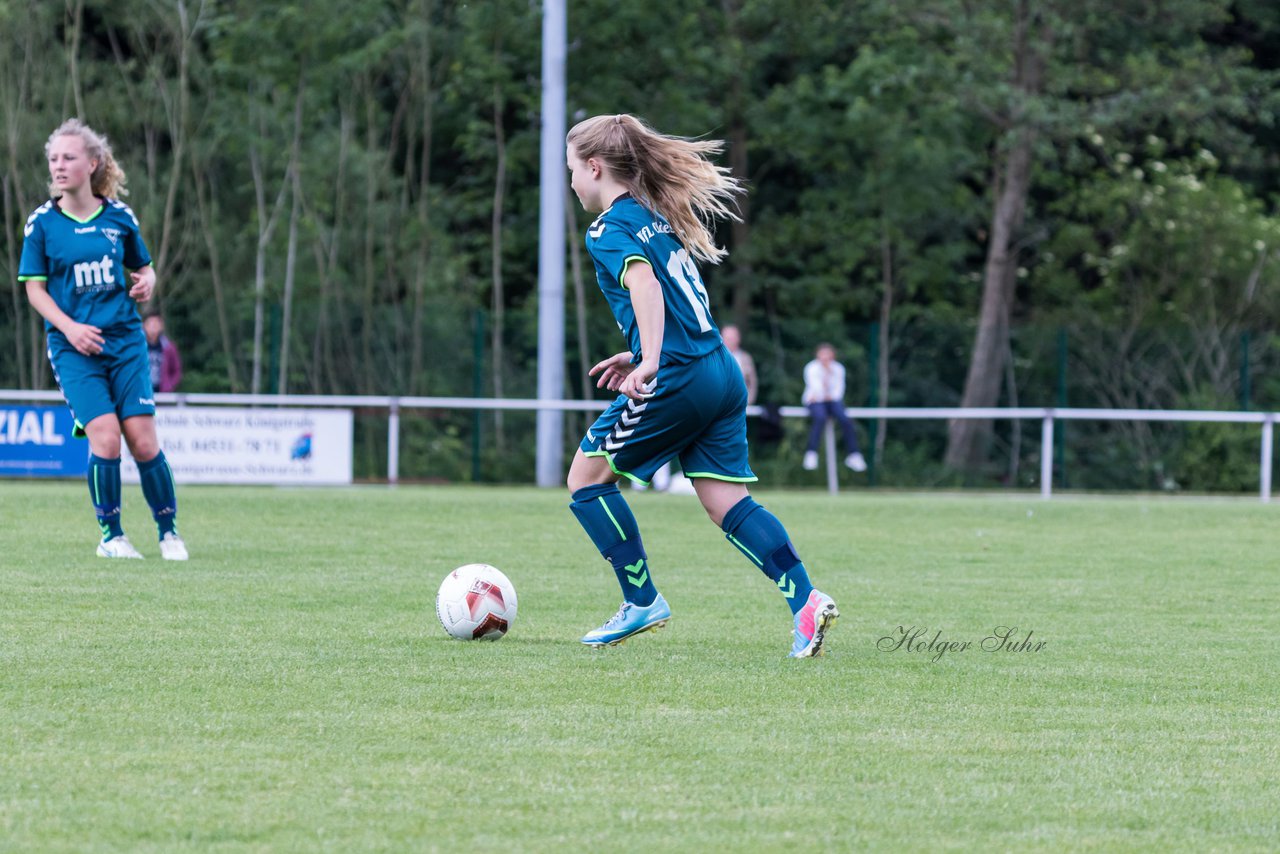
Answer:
(813, 621)
(630, 620)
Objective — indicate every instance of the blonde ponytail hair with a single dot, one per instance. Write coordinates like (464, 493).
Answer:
(108, 179)
(671, 175)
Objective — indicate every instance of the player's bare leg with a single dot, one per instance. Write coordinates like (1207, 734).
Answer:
(718, 496)
(587, 471)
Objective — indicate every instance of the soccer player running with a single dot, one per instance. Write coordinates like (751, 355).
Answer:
(681, 393)
(76, 249)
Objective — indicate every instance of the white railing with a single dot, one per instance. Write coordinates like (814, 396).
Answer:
(1046, 416)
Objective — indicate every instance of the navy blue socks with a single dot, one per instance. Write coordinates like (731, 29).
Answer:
(157, 486)
(104, 491)
(757, 533)
(608, 521)
(760, 536)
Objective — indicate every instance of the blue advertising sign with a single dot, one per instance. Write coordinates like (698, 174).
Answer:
(36, 441)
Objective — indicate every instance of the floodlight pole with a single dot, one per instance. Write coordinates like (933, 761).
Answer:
(551, 248)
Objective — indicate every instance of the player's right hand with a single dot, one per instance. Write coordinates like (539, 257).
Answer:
(612, 370)
(86, 339)
(639, 384)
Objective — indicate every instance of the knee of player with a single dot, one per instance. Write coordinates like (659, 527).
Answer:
(718, 497)
(105, 446)
(144, 448)
(103, 433)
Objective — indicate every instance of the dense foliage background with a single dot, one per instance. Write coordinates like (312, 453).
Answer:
(977, 202)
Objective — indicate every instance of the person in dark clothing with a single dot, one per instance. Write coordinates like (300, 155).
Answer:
(162, 353)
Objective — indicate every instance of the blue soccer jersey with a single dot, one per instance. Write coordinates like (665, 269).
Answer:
(85, 264)
(628, 232)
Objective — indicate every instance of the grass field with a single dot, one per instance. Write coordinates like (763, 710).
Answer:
(290, 689)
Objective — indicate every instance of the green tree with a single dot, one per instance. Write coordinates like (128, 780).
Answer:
(1039, 74)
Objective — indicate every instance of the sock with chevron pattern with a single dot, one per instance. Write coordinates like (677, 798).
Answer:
(759, 535)
(608, 521)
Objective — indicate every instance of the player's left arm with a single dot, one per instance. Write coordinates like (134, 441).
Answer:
(650, 311)
(144, 283)
(138, 261)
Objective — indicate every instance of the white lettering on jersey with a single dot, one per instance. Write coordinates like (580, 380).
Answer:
(649, 231)
(89, 230)
(94, 274)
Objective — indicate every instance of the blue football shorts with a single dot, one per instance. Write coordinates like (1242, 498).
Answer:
(697, 413)
(116, 380)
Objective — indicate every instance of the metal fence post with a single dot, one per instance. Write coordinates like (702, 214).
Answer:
(393, 442)
(1046, 455)
(1268, 432)
(829, 444)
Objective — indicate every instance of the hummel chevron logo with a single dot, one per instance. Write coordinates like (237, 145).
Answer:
(636, 406)
(638, 575)
(629, 422)
(789, 592)
(622, 434)
(610, 445)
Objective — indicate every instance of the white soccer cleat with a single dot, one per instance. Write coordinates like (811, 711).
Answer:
(810, 460)
(856, 461)
(118, 547)
(172, 547)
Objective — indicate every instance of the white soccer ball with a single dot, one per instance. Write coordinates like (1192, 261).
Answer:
(476, 602)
